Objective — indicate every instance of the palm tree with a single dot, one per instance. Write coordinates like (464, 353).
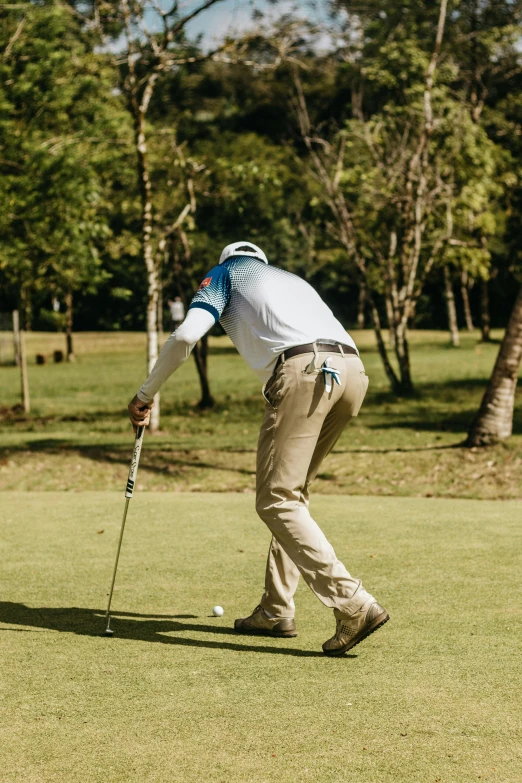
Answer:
(494, 420)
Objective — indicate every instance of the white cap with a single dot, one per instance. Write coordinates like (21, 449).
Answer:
(242, 249)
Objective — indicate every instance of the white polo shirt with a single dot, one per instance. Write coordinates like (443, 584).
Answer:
(263, 309)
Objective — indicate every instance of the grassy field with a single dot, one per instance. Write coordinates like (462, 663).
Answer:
(177, 697)
(77, 436)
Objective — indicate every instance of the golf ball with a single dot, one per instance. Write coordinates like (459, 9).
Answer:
(218, 611)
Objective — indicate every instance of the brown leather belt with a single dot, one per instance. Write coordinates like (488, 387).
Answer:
(309, 348)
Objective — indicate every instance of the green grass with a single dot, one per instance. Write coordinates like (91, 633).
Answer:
(77, 436)
(177, 697)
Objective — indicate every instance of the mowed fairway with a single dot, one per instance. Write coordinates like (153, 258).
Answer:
(177, 696)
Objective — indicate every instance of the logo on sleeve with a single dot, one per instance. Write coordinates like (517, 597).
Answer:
(206, 282)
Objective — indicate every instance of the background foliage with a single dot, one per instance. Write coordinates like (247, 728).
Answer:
(69, 191)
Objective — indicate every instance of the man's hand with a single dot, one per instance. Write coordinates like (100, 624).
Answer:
(139, 412)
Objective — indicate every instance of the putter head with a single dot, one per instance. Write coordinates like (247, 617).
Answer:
(108, 631)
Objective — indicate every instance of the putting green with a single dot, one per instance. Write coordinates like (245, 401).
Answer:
(175, 695)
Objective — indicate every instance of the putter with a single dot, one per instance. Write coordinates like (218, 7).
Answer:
(128, 494)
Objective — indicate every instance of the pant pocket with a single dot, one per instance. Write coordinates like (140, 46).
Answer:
(272, 390)
(266, 394)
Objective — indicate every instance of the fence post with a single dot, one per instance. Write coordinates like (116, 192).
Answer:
(23, 371)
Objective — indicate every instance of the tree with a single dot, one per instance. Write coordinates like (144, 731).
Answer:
(484, 36)
(73, 226)
(178, 177)
(452, 310)
(494, 420)
(411, 178)
(249, 183)
(53, 93)
(227, 175)
(465, 286)
(385, 189)
(147, 56)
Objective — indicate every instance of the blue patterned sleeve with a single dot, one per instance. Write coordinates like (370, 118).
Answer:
(214, 292)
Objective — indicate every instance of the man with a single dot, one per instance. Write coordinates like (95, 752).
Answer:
(177, 313)
(314, 383)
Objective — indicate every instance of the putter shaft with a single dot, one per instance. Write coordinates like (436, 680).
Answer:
(108, 615)
(128, 495)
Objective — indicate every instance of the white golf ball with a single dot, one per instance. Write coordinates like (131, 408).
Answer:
(218, 611)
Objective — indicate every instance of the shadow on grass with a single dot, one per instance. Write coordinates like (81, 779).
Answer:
(402, 449)
(166, 460)
(458, 422)
(235, 407)
(126, 625)
(16, 415)
(167, 463)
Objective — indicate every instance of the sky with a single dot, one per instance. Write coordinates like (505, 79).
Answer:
(235, 16)
(227, 17)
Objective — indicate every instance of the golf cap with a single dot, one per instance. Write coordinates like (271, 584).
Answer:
(242, 249)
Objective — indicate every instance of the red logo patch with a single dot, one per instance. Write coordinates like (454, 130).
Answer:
(206, 282)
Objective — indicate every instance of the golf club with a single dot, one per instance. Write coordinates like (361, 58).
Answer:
(128, 494)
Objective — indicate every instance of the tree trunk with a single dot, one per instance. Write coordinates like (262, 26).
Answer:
(361, 306)
(494, 421)
(200, 351)
(160, 308)
(464, 289)
(204, 350)
(452, 310)
(148, 56)
(388, 369)
(26, 308)
(402, 352)
(153, 344)
(69, 327)
(390, 317)
(148, 256)
(16, 336)
(200, 356)
(484, 312)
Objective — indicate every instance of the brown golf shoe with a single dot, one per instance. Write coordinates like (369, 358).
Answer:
(352, 629)
(260, 624)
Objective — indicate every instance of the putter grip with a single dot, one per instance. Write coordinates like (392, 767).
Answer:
(133, 471)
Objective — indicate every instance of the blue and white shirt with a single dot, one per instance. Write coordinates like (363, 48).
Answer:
(266, 310)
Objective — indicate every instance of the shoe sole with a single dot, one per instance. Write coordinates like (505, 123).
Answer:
(250, 631)
(358, 638)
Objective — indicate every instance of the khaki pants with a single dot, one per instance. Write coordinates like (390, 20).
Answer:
(301, 425)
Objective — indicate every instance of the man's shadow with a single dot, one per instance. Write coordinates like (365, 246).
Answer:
(127, 625)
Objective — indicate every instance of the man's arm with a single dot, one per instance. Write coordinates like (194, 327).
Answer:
(176, 350)
(205, 309)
